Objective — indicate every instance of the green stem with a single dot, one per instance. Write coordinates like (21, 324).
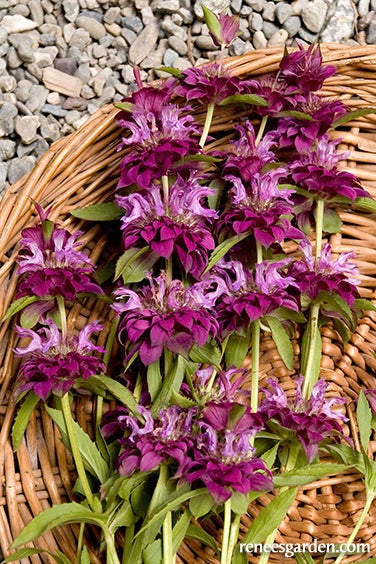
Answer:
(357, 527)
(261, 129)
(234, 535)
(63, 315)
(207, 124)
(80, 542)
(128, 538)
(106, 359)
(168, 551)
(310, 373)
(255, 350)
(111, 554)
(165, 189)
(75, 448)
(319, 226)
(226, 533)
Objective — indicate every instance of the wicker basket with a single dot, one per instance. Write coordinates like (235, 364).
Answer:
(82, 169)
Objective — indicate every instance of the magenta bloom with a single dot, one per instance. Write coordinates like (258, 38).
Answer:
(245, 157)
(178, 227)
(51, 263)
(277, 93)
(316, 171)
(52, 363)
(223, 458)
(311, 420)
(227, 385)
(227, 29)
(157, 142)
(154, 441)
(325, 274)
(303, 68)
(253, 295)
(259, 207)
(302, 133)
(209, 84)
(166, 314)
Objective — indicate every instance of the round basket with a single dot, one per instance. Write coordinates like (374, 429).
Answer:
(82, 169)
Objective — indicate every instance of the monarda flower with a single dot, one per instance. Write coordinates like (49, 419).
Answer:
(311, 421)
(157, 142)
(52, 363)
(213, 385)
(51, 263)
(253, 295)
(179, 227)
(222, 28)
(209, 84)
(244, 157)
(260, 208)
(304, 70)
(334, 276)
(166, 314)
(165, 438)
(223, 458)
(302, 132)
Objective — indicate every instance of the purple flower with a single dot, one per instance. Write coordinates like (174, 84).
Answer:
(301, 132)
(303, 68)
(311, 420)
(223, 458)
(259, 207)
(179, 226)
(253, 295)
(245, 157)
(276, 92)
(51, 263)
(325, 274)
(209, 84)
(51, 363)
(316, 171)
(166, 314)
(157, 142)
(215, 386)
(227, 29)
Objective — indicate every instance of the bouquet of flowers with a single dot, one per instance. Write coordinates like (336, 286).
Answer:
(218, 248)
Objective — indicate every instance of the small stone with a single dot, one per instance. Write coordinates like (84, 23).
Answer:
(144, 44)
(26, 127)
(314, 15)
(165, 6)
(292, 25)
(129, 35)
(169, 57)
(3, 34)
(17, 24)
(7, 83)
(72, 117)
(340, 25)
(37, 97)
(133, 23)
(61, 82)
(181, 64)
(23, 90)
(95, 29)
(53, 110)
(278, 39)
(256, 5)
(237, 47)
(13, 60)
(7, 114)
(24, 45)
(67, 65)
(36, 12)
(80, 39)
(71, 10)
(259, 40)
(178, 45)
(172, 29)
(75, 104)
(54, 98)
(114, 29)
(268, 12)
(215, 6)
(51, 129)
(111, 15)
(45, 56)
(18, 167)
(205, 43)
(256, 22)
(283, 11)
(269, 29)
(7, 149)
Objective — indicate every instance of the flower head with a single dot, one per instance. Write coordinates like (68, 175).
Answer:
(178, 227)
(311, 420)
(157, 142)
(51, 363)
(51, 263)
(222, 28)
(166, 314)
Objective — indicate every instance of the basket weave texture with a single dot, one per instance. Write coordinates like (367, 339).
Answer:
(82, 169)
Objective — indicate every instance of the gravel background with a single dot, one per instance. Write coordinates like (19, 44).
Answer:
(60, 60)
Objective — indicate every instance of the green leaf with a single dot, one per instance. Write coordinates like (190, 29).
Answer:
(347, 455)
(239, 503)
(270, 517)
(182, 401)
(22, 419)
(171, 381)
(285, 313)
(353, 115)
(311, 341)
(213, 199)
(134, 264)
(212, 22)
(269, 457)
(282, 341)
(364, 305)
(119, 392)
(93, 460)
(200, 506)
(209, 353)
(62, 514)
(107, 211)
(202, 536)
(295, 114)
(308, 474)
(239, 557)
(251, 99)
(84, 556)
(334, 302)
(364, 417)
(18, 305)
(152, 553)
(170, 70)
(19, 555)
(367, 204)
(332, 222)
(125, 106)
(236, 350)
(179, 530)
(154, 379)
(224, 248)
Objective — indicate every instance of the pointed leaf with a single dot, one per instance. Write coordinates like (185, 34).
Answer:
(119, 391)
(295, 114)
(22, 419)
(364, 305)
(22, 553)
(62, 514)
(236, 350)
(170, 70)
(152, 553)
(180, 530)
(134, 264)
(251, 99)
(353, 115)
(154, 379)
(282, 341)
(84, 556)
(201, 506)
(239, 503)
(125, 106)
(209, 353)
(364, 417)
(332, 222)
(212, 22)
(18, 305)
(367, 204)
(308, 474)
(270, 517)
(93, 460)
(200, 535)
(107, 211)
(224, 248)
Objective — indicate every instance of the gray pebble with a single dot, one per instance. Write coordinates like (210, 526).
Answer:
(314, 15)
(259, 40)
(292, 25)
(20, 166)
(8, 112)
(283, 11)
(178, 45)
(53, 110)
(133, 23)
(256, 22)
(95, 29)
(7, 149)
(71, 9)
(169, 57)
